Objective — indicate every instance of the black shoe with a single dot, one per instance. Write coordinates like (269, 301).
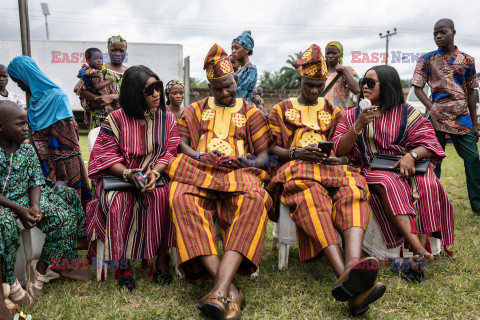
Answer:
(163, 278)
(127, 282)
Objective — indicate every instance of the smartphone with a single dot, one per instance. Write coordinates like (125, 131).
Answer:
(140, 179)
(326, 147)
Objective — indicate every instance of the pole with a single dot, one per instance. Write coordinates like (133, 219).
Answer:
(387, 38)
(186, 81)
(24, 27)
(46, 27)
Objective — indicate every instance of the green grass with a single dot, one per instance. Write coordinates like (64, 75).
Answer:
(450, 291)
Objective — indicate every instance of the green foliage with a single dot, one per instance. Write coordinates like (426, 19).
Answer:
(198, 83)
(405, 83)
(286, 78)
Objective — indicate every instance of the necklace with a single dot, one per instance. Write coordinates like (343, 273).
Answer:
(241, 68)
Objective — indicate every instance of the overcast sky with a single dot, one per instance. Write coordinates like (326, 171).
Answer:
(279, 27)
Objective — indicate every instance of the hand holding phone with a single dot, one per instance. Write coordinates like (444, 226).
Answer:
(326, 147)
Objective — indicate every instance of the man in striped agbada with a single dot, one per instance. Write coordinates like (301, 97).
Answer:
(324, 194)
(218, 177)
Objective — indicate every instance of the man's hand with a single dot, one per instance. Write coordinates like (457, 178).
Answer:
(334, 161)
(475, 131)
(212, 158)
(132, 179)
(28, 217)
(406, 165)
(310, 153)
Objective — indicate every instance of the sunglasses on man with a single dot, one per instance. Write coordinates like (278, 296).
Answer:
(157, 86)
(369, 82)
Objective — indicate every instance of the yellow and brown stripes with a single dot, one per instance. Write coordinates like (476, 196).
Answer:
(241, 217)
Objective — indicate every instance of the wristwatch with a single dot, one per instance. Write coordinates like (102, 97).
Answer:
(414, 155)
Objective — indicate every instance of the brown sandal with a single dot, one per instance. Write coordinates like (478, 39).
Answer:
(18, 295)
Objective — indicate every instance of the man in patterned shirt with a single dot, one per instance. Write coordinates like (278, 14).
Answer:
(452, 77)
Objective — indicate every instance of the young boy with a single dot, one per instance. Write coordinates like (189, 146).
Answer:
(93, 81)
(4, 94)
(452, 77)
(26, 195)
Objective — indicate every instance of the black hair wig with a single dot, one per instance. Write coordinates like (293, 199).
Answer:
(391, 94)
(132, 99)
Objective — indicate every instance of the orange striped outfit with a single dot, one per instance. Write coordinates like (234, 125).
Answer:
(201, 193)
(321, 198)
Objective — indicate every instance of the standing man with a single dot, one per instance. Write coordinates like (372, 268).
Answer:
(4, 94)
(217, 179)
(452, 77)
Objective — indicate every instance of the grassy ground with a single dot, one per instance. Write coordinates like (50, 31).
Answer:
(301, 292)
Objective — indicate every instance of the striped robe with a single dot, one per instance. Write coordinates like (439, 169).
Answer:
(132, 225)
(201, 194)
(421, 196)
(321, 198)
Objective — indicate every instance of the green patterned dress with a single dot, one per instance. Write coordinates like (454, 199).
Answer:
(63, 220)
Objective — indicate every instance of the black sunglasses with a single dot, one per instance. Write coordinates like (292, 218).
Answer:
(157, 86)
(369, 82)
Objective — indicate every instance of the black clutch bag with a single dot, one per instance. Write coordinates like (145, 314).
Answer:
(385, 161)
(112, 183)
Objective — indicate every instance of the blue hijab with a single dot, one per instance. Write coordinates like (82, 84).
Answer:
(48, 103)
(246, 40)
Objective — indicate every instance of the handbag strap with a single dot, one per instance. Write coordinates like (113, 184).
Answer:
(403, 123)
(360, 142)
(330, 85)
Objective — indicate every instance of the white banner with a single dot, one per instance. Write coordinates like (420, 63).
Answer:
(61, 60)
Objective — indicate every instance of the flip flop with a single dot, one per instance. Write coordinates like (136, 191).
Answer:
(163, 278)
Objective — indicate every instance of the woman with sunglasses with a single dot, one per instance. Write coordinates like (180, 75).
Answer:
(408, 206)
(135, 143)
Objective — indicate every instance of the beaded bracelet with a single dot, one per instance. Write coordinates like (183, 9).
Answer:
(126, 172)
(291, 153)
(199, 155)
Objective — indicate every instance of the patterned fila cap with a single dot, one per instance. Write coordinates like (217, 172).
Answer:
(217, 63)
(313, 63)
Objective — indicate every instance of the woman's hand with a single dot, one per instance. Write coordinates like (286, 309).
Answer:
(151, 181)
(334, 161)
(106, 99)
(364, 118)
(28, 217)
(310, 153)
(340, 69)
(132, 179)
(406, 165)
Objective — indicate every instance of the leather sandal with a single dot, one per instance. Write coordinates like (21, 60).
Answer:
(357, 279)
(213, 305)
(18, 295)
(35, 280)
(235, 306)
(360, 303)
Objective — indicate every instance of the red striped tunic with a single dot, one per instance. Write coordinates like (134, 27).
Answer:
(132, 225)
(421, 196)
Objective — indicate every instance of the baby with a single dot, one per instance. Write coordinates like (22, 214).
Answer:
(93, 81)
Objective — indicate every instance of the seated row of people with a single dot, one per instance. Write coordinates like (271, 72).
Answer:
(235, 165)
(220, 175)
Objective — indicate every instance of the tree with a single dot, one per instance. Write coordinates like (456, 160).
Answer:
(286, 78)
(198, 83)
(405, 83)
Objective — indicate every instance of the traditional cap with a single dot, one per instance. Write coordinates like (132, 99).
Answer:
(313, 63)
(246, 40)
(217, 63)
(114, 39)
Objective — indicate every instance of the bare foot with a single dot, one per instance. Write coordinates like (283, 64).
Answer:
(418, 263)
(77, 275)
